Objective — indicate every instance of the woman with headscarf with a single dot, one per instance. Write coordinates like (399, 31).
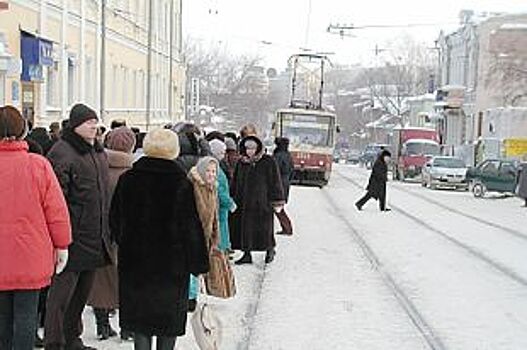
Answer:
(161, 242)
(203, 177)
(377, 184)
(104, 297)
(226, 203)
(257, 191)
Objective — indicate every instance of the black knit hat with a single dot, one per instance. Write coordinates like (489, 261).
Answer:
(79, 114)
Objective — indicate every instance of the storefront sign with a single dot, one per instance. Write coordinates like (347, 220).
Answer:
(36, 53)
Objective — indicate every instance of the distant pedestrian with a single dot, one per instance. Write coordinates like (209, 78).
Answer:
(226, 203)
(232, 156)
(257, 191)
(35, 232)
(284, 160)
(54, 131)
(42, 137)
(248, 130)
(377, 184)
(522, 182)
(82, 168)
(161, 242)
(104, 294)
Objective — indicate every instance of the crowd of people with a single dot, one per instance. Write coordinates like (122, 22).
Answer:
(128, 221)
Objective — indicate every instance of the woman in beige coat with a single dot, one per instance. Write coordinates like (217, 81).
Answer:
(203, 177)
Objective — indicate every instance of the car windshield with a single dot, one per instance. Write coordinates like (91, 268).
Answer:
(418, 148)
(451, 163)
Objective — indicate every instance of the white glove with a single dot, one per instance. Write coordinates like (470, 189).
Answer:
(62, 260)
(234, 207)
(278, 208)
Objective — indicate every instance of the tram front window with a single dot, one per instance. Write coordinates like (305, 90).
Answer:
(307, 130)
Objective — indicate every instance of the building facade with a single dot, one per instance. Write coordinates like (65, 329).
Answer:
(55, 52)
(488, 58)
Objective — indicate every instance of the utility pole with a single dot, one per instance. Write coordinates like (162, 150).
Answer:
(149, 63)
(102, 82)
(171, 59)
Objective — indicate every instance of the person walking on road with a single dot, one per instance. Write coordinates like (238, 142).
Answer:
(522, 182)
(104, 296)
(35, 232)
(286, 167)
(156, 224)
(377, 184)
(82, 169)
(257, 191)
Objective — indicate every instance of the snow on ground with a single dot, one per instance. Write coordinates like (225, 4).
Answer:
(469, 304)
(323, 293)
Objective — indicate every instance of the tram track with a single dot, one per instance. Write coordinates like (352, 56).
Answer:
(423, 327)
(513, 232)
(497, 266)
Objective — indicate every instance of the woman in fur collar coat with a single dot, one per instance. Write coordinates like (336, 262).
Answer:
(161, 242)
(257, 191)
(203, 177)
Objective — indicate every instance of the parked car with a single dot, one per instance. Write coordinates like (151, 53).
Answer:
(445, 172)
(493, 175)
(353, 157)
(370, 153)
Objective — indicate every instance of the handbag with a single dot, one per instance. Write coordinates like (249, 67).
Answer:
(206, 327)
(219, 281)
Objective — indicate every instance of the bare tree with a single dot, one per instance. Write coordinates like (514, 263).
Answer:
(406, 70)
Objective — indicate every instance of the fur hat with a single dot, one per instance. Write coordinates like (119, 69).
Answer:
(121, 139)
(231, 144)
(80, 114)
(217, 148)
(12, 124)
(161, 143)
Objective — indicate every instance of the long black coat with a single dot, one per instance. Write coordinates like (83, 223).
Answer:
(378, 178)
(83, 170)
(156, 224)
(284, 160)
(256, 188)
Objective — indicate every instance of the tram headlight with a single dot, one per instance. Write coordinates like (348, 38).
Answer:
(321, 163)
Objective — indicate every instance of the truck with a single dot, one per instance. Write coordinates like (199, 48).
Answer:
(413, 148)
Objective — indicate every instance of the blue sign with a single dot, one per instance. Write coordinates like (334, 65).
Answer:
(35, 53)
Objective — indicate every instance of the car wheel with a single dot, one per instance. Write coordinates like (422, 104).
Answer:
(479, 190)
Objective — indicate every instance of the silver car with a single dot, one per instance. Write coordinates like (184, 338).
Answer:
(443, 171)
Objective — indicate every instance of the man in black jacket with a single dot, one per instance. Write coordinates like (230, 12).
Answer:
(377, 184)
(82, 168)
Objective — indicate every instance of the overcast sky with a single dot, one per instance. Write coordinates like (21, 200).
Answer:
(242, 25)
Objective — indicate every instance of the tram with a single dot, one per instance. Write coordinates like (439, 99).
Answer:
(310, 128)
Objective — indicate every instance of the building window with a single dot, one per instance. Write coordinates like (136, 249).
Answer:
(125, 88)
(2, 88)
(71, 82)
(114, 86)
(51, 86)
(89, 90)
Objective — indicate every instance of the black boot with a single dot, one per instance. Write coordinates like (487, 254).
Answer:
(126, 335)
(269, 257)
(192, 304)
(104, 330)
(246, 259)
(39, 342)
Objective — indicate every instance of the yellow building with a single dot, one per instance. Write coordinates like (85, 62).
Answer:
(51, 57)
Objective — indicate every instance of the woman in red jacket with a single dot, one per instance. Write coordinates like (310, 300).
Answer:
(34, 231)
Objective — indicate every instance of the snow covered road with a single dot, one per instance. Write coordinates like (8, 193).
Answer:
(443, 270)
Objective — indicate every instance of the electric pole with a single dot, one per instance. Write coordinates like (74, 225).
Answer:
(103, 62)
(171, 58)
